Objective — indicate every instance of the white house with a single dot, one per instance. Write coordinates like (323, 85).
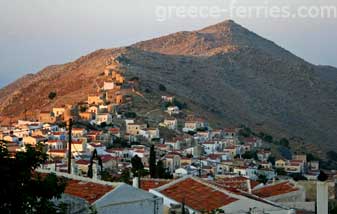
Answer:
(202, 197)
(82, 193)
(171, 110)
(103, 118)
(171, 123)
(108, 85)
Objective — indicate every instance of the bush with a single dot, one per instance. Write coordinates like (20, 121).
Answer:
(284, 142)
(162, 87)
(130, 114)
(52, 95)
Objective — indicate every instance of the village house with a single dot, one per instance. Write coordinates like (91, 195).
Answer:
(103, 118)
(115, 131)
(294, 166)
(11, 138)
(280, 163)
(300, 157)
(108, 85)
(230, 132)
(82, 193)
(95, 100)
(47, 117)
(263, 155)
(175, 143)
(82, 166)
(169, 99)
(94, 109)
(150, 133)
(194, 125)
(58, 111)
(281, 192)
(171, 123)
(55, 144)
(100, 148)
(134, 128)
(33, 140)
(210, 147)
(172, 110)
(119, 78)
(231, 150)
(87, 115)
(78, 146)
(57, 153)
(172, 162)
(200, 196)
(78, 132)
(108, 161)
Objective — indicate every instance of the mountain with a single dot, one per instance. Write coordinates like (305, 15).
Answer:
(229, 72)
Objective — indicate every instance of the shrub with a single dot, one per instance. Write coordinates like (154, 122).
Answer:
(162, 87)
(52, 95)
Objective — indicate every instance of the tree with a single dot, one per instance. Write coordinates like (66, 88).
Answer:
(160, 170)
(25, 190)
(262, 178)
(125, 176)
(245, 132)
(152, 162)
(284, 142)
(281, 171)
(332, 155)
(52, 95)
(137, 165)
(250, 155)
(268, 138)
(162, 87)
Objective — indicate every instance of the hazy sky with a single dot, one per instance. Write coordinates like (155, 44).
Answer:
(37, 33)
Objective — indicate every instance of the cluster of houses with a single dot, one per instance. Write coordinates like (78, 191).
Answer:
(212, 170)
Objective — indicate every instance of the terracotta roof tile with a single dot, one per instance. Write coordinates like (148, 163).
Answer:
(197, 195)
(88, 191)
(152, 183)
(276, 189)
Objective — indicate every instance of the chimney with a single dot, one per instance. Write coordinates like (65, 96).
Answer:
(135, 182)
(249, 186)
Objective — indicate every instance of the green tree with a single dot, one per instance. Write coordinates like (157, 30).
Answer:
(280, 171)
(160, 170)
(52, 95)
(245, 132)
(25, 190)
(152, 162)
(162, 87)
(262, 178)
(284, 142)
(137, 165)
(268, 138)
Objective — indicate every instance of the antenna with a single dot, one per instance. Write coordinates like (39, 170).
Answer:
(70, 126)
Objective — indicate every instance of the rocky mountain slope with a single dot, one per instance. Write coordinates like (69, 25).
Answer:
(226, 70)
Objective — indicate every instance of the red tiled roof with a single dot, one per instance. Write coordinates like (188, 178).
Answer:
(83, 162)
(238, 182)
(57, 151)
(197, 195)
(106, 158)
(88, 191)
(230, 129)
(152, 183)
(277, 189)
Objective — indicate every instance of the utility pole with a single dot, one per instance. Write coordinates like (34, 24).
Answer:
(70, 126)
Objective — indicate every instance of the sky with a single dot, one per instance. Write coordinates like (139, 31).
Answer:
(38, 33)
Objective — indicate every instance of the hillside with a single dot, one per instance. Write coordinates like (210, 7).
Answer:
(226, 71)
